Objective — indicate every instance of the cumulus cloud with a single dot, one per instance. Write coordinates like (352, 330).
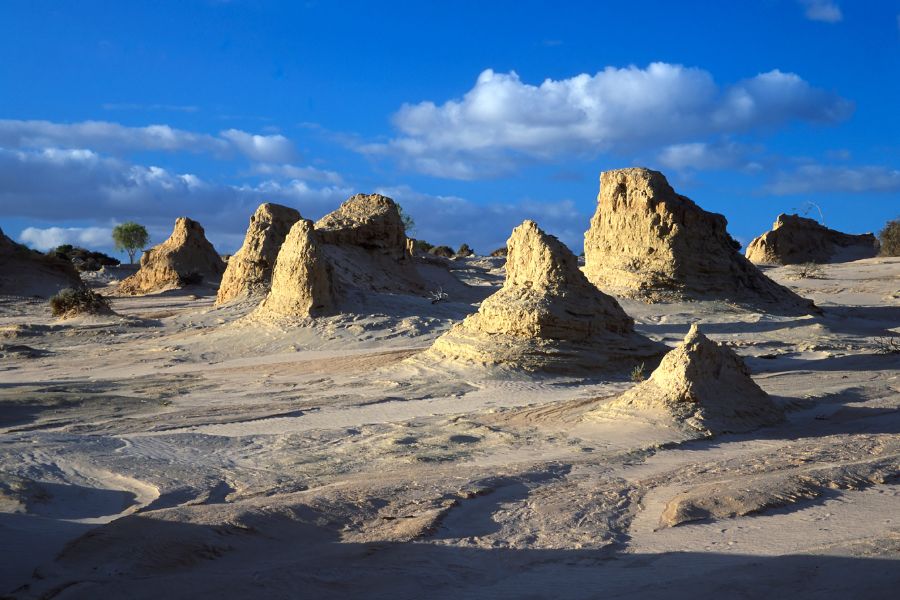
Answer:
(826, 11)
(503, 120)
(111, 137)
(51, 237)
(703, 156)
(835, 179)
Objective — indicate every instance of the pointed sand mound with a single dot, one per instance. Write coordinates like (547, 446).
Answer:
(701, 386)
(26, 272)
(546, 317)
(795, 239)
(249, 271)
(648, 242)
(301, 280)
(186, 257)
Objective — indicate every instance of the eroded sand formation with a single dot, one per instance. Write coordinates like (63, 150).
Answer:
(702, 386)
(795, 239)
(646, 241)
(546, 317)
(186, 257)
(301, 280)
(249, 271)
(25, 272)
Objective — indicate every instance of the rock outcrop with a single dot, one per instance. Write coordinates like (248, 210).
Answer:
(700, 386)
(546, 317)
(795, 239)
(301, 280)
(646, 241)
(26, 272)
(249, 270)
(369, 221)
(185, 258)
(365, 243)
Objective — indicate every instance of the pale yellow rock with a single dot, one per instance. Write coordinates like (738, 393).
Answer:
(700, 386)
(301, 281)
(645, 241)
(249, 270)
(795, 239)
(546, 317)
(187, 256)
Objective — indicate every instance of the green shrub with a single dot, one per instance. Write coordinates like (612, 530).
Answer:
(445, 251)
(890, 238)
(500, 252)
(464, 250)
(81, 301)
(83, 259)
(422, 246)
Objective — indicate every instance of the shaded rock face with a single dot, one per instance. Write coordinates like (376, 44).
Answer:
(369, 221)
(25, 272)
(249, 270)
(648, 242)
(547, 316)
(795, 239)
(700, 386)
(301, 280)
(186, 257)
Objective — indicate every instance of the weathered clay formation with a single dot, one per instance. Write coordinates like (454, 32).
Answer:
(795, 239)
(186, 257)
(702, 387)
(646, 241)
(546, 317)
(301, 280)
(249, 271)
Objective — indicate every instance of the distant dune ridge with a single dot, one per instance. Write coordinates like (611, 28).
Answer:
(249, 271)
(186, 257)
(795, 239)
(646, 241)
(546, 317)
(701, 386)
(25, 272)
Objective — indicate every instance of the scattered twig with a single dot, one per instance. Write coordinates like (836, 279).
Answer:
(438, 296)
(887, 345)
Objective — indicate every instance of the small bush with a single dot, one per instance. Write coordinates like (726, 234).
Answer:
(81, 301)
(500, 252)
(807, 270)
(445, 251)
(83, 259)
(464, 250)
(889, 237)
(422, 246)
(637, 373)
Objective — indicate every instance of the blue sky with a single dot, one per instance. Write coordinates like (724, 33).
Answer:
(472, 115)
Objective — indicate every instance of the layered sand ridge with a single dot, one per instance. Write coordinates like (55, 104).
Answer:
(646, 241)
(546, 317)
(795, 239)
(700, 386)
(249, 271)
(186, 257)
(26, 272)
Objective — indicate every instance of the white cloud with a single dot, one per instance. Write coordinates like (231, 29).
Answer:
(51, 237)
(826, 11)
(503, 120)
(106, 136)
(264, 148)
(297, 172)
(825, 179)
(703, 156)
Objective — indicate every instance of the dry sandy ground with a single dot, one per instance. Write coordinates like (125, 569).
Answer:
(185, 451)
